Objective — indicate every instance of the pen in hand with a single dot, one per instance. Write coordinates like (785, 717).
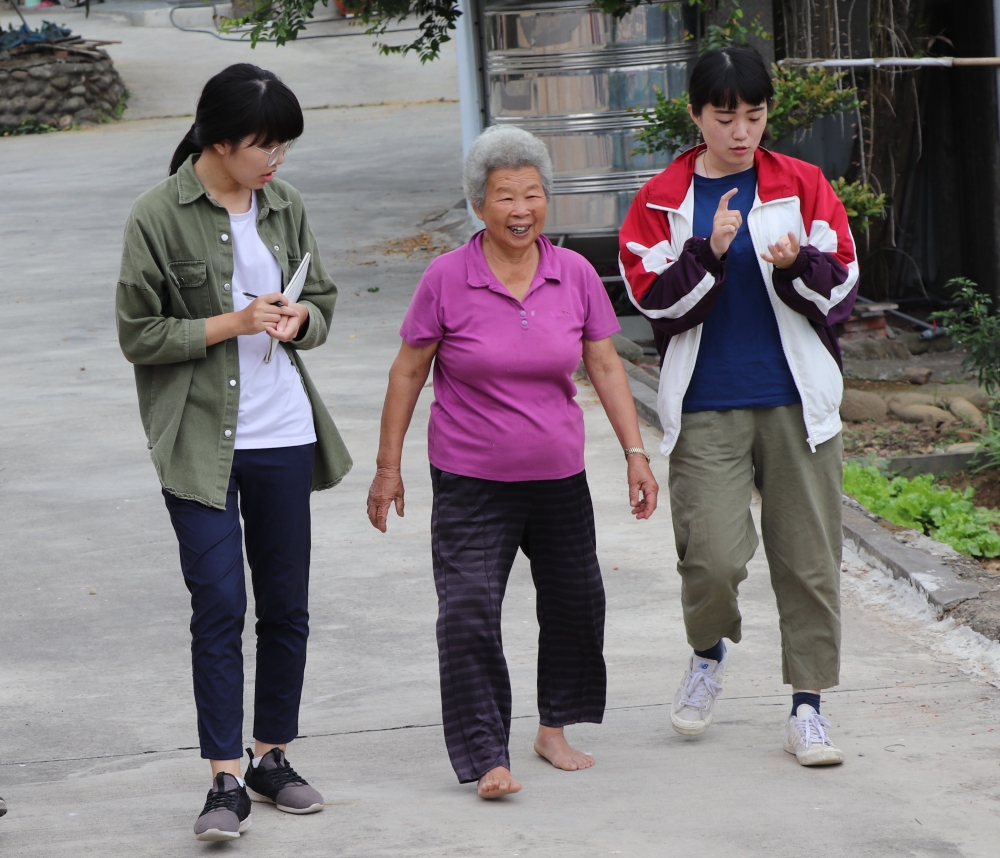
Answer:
(273, 303)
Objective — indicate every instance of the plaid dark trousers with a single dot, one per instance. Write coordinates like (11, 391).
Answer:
(477, 527)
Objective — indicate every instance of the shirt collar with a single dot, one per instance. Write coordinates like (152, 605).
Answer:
(481, 276)
(190, 188)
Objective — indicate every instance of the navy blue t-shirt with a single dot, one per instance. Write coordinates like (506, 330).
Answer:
(740, 361)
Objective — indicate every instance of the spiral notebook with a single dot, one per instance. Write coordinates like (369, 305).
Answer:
(291, 294)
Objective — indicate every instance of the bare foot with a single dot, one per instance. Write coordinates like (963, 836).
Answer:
(497, 782)
(551, 744)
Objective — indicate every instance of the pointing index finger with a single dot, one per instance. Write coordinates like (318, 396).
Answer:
(726, 197)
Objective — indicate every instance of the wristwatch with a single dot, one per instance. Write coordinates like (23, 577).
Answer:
(630, 450)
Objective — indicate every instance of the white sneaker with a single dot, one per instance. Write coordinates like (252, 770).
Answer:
(694, 701)
(806, 737)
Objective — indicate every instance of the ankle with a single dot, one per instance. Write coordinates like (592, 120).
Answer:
(713, 653)
(810, 698)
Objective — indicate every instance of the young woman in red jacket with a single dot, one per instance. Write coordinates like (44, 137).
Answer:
(743, 262)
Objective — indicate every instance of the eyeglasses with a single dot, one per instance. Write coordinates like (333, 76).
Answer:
(272, 154)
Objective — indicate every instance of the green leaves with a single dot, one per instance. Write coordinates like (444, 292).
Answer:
(942, 513)
(668, 126)
(281, 21)
(977, 329)
(803, 95)
(860, 200)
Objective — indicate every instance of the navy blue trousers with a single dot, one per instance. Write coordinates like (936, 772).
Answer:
(271, 489)
(477, 527)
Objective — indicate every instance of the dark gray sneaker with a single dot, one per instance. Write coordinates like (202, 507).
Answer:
(274, 780)
(3, 807)
(227, 810)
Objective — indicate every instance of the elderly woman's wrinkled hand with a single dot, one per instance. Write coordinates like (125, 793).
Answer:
(642, 487)
(386, 490)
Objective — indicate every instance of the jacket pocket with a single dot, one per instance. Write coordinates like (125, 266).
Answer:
(190, 278)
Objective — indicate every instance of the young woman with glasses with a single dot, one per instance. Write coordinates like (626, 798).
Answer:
(232, 433)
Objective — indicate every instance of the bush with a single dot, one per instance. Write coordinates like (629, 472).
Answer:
(977, 329)
(942, 513)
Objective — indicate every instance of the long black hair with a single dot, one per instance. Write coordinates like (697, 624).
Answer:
(242, 101)
(727, 76)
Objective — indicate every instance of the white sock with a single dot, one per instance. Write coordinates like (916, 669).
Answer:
(256, 761)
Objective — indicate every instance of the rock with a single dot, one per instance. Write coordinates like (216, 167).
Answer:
(873, 348)
(35, 104)
(980, 399)
(929, 415)
(40, 72)
(105, 108)
(942, 344)
(72, 105)
(79, 89)
(967, 412)
(914, 342)
(16, 105)
(60, 82)
(33, 87)
(917, 374)
(904, 399)
(858, 406)
(19, 75)
(64, 122)
(88, 117)
(9, 120)
(962, 447)
(627, 350)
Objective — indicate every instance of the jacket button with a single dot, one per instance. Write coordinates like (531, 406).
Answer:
(524, 322)
(224, 237)
(226, 287)
(232, 382)
(228, 433)
(275, 248)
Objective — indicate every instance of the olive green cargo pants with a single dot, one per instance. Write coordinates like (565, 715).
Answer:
(719, 456)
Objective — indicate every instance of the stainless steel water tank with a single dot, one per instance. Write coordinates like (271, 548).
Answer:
(568, 72)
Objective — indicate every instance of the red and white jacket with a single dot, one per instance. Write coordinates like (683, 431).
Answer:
(675, 279)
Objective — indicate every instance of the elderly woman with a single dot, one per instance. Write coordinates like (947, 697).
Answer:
(508, 317)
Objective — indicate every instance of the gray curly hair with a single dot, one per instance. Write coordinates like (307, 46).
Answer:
(504, 146)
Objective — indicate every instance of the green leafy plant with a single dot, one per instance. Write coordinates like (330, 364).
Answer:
(975, 327)
(803, 95)
(860, 200)
(988, 451)
(944, 514)
(27, 126)
(281, 21)
(668, 126)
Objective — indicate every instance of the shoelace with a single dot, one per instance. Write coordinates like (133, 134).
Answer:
(282, 776)
(812, 728)
(222, 800)
(699, 687)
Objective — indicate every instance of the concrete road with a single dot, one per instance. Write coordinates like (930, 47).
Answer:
(97, 725)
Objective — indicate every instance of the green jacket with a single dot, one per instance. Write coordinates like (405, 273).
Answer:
(177, 267)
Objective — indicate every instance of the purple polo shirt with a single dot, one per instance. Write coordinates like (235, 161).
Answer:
(503, 390)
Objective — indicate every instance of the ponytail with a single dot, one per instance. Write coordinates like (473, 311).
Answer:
(188, 147)
(242, 102)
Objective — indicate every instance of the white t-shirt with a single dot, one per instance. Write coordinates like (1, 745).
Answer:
(274, 406)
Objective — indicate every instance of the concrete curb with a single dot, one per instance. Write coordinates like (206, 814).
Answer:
(932, 463)
(937, 576)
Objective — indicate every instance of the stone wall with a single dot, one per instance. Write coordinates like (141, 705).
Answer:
(58, 91)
